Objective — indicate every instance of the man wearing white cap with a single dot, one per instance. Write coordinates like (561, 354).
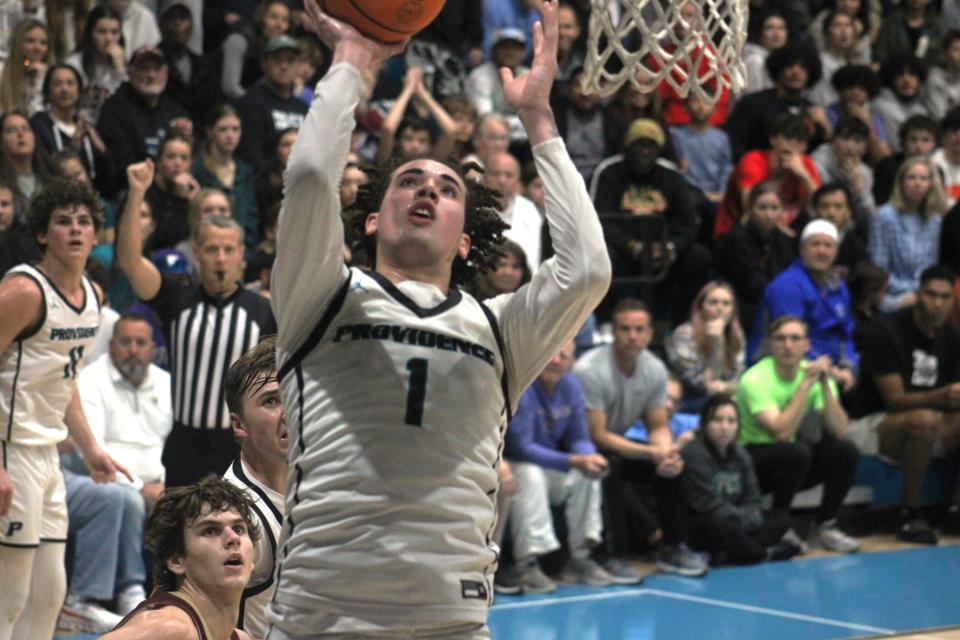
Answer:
(809, 290)
(483, 84)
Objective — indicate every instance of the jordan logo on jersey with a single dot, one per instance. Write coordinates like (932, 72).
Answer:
(411, 336)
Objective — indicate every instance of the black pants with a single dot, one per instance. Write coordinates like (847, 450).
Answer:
(637, 502)
(192, 454)
(783, 468)
(728, 542)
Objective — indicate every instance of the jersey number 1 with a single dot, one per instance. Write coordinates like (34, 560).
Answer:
(416, 391)
(70, 370)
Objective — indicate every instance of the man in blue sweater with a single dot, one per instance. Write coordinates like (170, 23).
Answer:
(555, 462)
(810, 290)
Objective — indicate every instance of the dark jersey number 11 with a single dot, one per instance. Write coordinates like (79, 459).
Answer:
(416, 391)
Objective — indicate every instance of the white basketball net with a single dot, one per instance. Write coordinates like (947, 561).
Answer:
(652, 43)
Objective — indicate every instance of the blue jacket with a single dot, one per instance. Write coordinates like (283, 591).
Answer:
(825, 308)
(545, 430)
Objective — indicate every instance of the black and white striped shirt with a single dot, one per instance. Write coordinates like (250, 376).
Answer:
(205, 335)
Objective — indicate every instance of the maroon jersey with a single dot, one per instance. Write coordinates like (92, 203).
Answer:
(160, 599)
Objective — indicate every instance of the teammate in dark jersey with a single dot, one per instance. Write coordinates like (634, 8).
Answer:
(203, 537)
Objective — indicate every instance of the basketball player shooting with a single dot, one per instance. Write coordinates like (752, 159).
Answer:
(398, 385)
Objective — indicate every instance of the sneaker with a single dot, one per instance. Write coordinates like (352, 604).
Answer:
(682, 561)
(507, 581)
(82, 615)
(621, 572)
(586, 571)
(792, 537)
(917, 531)
(534, 580)
(782, 550)
(829, 537)
(129, 598)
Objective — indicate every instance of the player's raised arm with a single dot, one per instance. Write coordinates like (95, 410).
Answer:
(309, 266)
(548, 311)
(529, 94)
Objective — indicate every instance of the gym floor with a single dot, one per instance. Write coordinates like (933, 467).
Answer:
(889, 590)
(878, 594)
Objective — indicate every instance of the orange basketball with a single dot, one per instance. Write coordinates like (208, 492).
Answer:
(385, 20)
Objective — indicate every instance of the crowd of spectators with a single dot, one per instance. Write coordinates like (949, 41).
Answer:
(793, 284)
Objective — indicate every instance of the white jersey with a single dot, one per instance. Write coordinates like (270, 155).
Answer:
(268, 509)
(38, 369)
(396, 398)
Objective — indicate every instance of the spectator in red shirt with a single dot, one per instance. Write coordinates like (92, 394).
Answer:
(785, 162)
(698, 49)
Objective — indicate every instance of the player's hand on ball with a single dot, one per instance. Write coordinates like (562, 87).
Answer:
(334, 34)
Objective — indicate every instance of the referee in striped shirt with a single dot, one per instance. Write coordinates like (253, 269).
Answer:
(207, 328)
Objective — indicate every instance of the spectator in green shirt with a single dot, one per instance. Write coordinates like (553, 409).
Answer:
(795, 430)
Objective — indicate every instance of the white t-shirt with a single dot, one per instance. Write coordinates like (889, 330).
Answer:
(131, 423)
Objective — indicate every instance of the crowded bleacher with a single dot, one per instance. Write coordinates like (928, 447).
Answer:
(785, 305)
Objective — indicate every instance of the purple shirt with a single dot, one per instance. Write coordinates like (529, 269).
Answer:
(546, 429)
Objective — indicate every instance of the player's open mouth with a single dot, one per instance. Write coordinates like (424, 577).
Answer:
(235, 560)
(422, 210)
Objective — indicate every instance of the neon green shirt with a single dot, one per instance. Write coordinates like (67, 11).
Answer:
(760, 389)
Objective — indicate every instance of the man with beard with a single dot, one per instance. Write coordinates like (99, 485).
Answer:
(127, 403)
(138, 116)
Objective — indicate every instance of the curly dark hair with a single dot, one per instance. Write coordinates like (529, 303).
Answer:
(61, 193)
(900, 63)
(856, 75)
(795, 53)
(178, 508)
(482, 221)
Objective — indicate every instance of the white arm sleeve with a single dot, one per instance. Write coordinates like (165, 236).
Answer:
(548, 311)
(310, 267)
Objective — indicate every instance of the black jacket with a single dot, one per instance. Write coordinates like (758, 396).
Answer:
(132, 130)
(264, 115)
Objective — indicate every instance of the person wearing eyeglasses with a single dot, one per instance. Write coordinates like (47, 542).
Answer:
(795, 429)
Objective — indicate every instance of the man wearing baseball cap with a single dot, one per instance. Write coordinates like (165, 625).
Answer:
(483, 86)
(139, 115)
(270, 107)
(638, 182)
(809, 290)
